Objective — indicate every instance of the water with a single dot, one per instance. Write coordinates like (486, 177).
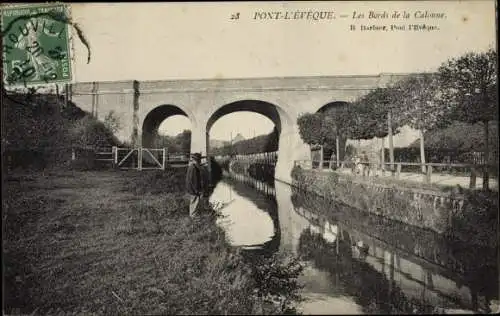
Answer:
(354, 263)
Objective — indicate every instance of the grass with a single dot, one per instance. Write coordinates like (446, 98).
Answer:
(114, 242)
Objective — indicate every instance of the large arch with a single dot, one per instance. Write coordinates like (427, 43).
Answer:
(277, 115)
(264, 108)
(154, 119)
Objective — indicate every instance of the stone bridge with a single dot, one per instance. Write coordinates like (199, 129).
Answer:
(142, 106)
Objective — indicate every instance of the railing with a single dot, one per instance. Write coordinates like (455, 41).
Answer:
(266, 157)
(409, 171)
(139, 158)
(177, 158)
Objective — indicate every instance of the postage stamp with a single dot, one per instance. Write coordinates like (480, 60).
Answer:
(36, 47)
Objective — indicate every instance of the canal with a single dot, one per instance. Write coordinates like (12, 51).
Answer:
(356, 263)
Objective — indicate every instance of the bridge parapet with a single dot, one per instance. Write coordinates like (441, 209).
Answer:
(359, 82)
(103, 87)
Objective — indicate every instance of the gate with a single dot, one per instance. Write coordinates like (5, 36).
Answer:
(140, 158)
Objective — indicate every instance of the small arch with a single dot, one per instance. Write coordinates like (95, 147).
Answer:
(154, 118)
(332, 105)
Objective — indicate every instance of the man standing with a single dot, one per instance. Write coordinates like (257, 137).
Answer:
(194, 183)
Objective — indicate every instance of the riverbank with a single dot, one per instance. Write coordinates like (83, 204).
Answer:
(114, 242)
(466, 215)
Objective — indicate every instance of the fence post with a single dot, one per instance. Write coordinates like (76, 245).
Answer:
(398, 170)
(139, 158)
(428, 174)
(115, 155)
(472, 182)
(73, 154)
(164, 158)
(320, 167)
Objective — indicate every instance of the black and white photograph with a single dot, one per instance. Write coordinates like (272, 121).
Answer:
(253, 158)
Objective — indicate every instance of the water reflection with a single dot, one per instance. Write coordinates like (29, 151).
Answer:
(357, 263)
(442, 272)
(249, 217)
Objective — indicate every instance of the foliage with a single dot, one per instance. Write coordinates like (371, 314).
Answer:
(36, 121)
(469, 85)
(310, 128)
(90, 132)
(112, 121)
(338, 122)
(42, 128)
(479, 219)
(419, 102)
(181, 143)
(258, 144)
(460, 136)
(340, 117)
(371, 114)
(276, 281)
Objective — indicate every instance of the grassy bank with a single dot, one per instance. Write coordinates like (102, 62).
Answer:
(114, 242)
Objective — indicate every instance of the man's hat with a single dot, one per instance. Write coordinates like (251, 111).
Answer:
(196, 156)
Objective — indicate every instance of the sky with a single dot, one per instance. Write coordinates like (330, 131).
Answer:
(224, 128)
(154, 41)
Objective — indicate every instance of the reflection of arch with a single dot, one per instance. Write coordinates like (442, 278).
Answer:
(153, 120)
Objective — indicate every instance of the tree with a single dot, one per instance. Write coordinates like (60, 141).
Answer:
(469, 84)
(421, 106)
(184, 140)
(339, 117)
(373, 117)
(310, 127)
(317, 129)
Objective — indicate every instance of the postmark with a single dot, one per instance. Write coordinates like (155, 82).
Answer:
(36, 44)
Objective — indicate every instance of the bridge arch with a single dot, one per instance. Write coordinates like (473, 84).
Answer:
(154, 118)
(332, 105)
(281, 119)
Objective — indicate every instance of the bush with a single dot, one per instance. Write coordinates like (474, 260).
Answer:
(40, 131)
(89, 132)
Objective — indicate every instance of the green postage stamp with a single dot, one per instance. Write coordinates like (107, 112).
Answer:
(36, 48)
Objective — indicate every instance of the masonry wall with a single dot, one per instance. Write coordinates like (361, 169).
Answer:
(471, 216)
